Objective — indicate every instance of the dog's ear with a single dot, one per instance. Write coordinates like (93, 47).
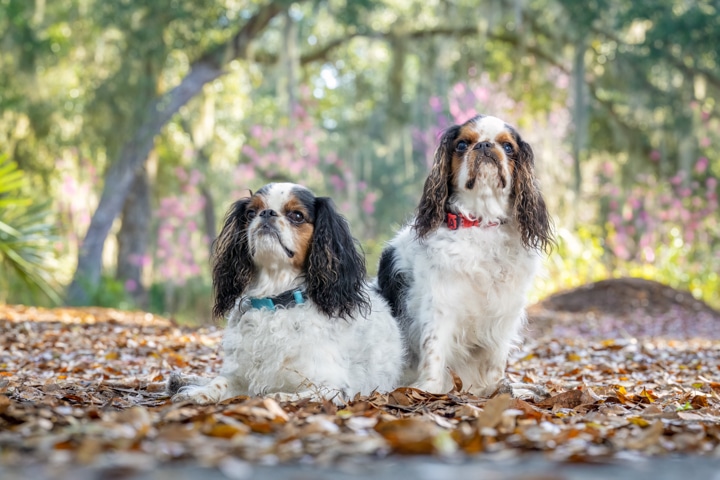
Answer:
(431, 210)
(232, 267)
(529, 204)
(335, 273)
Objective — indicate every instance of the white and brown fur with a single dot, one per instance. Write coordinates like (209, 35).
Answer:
(459, 295)
(342, 341)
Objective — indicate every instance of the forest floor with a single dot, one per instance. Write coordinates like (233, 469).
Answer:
(632, 369)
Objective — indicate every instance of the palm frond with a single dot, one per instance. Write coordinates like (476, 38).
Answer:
(26, 235)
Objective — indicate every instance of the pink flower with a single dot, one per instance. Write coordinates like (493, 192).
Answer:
(435, 104)
(130, 285)
(701, 165)
(608, 169)
(655, 155)
(181, 174)
(368, 204)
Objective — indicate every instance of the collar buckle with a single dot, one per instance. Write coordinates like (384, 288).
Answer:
(456, 221)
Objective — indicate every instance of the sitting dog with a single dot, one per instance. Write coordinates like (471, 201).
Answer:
(456, 278)
(302, 321)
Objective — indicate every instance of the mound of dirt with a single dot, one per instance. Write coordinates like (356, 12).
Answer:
(624, 307)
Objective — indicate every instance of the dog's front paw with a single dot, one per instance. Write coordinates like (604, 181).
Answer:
(203, 394)
(431, 386)
(195, 394)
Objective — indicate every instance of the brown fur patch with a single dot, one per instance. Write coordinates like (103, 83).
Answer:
(507, 137)
(303, 239)
(469, 135)
(303, 232)
(257, 203)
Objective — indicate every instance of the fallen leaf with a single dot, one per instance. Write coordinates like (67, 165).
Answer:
(409, 435)
(491, 416)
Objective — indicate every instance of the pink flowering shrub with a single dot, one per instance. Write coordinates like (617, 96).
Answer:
(297, 152)
(182, 248)
(662, 229)
(75, 200)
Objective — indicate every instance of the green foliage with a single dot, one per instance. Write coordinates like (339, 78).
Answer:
(26, 237)
(582, 257)
(76, 78)
(110, 293)
(190, 304)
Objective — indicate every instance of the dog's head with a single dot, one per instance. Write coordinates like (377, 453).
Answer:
(286, 237)
(484, 170)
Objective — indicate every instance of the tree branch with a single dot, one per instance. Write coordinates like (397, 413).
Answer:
(135, 151)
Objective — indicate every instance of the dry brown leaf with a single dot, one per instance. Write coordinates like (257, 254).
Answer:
(4, 403)
(569, 399)
(409, 435)
(493, 409)
(647, 437)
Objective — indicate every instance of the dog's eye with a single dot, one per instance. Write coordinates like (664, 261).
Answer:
(296, 217)
(508, 148)
(250, 214)
(461, 146)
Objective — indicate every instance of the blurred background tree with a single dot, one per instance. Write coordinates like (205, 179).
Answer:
(141, 121)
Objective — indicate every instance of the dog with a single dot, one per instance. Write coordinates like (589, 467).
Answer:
(302, 321)
(457, 275)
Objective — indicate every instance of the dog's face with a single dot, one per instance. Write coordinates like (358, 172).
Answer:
(482, 160)
(280, 226)
(288, 237)
(484, 170)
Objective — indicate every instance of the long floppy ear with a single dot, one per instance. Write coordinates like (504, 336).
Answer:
(431, 210)
(232, 267)
(335, 276)
(530, 210)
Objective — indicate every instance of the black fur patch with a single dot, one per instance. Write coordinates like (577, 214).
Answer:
(393, 284)
(307, 198)
(232, 267)
(335, 273)
(175, 383)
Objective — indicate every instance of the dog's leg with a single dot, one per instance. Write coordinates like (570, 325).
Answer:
(435, 343)
(482, 373)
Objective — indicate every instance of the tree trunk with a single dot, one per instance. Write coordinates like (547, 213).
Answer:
(134, 153)
(289, 65)
(133, 238)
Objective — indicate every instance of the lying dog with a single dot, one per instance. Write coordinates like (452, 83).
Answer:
(457, 277)
(302, 322)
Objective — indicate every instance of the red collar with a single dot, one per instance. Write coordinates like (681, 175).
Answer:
(456, 221)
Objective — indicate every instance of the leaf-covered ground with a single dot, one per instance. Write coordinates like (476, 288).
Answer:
(86, 387)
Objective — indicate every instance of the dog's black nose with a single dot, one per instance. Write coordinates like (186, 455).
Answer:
(483, 146)
(268, 213)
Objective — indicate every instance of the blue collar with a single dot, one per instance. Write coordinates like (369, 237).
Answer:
(286, 299)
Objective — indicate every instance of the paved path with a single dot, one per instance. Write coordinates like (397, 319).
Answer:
(529, 468)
